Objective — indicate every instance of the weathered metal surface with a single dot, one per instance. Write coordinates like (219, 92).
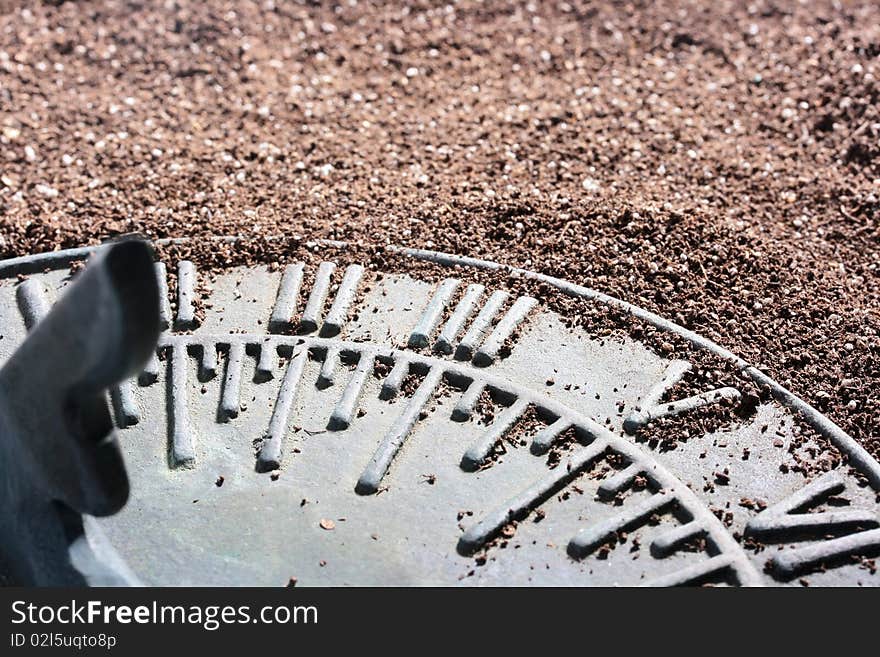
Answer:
(244, 434)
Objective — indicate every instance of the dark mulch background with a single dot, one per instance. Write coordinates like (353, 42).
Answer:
(718, 163)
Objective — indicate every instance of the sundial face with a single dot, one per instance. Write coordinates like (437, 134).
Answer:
(341, 426)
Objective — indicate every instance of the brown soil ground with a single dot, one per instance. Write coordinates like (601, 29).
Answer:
(718, 163)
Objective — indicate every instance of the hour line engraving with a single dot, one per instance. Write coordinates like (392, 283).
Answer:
(230, 402)
(592, 536)
(481, 342)
(695, 574)
(782, 520)
(490, 349)
(620, 481)
(465, 406)
(474, 335)
(672, 540)
(545, 438)
(328, 367)
(269, 457)
(372, 476)
(791, 563)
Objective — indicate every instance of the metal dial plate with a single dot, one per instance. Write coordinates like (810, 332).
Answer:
(342, 427)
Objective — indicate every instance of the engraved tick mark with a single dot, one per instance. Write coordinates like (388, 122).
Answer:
(269, 457)
(372, 476)
(182, 450)
(345, 410)
(698, 573)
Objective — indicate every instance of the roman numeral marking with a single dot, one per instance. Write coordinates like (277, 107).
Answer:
(186, 282)
(287, 299)
(150, 372)
(345, 295)
(782, 522)
(459, 317)
(164, 304)
(285, 303)
(421, 334)
(230, 400)
(651, 408)
(483, 350)
(474, 335)
(311, 315)
(182, 451)
(790, 563)
(487, 354)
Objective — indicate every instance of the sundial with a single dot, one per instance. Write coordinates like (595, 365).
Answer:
(341, 426)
